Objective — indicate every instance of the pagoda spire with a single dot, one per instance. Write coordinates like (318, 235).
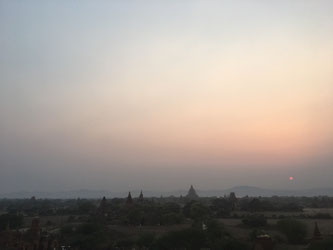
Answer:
(316, 232)
(129, 200)
(141, 196)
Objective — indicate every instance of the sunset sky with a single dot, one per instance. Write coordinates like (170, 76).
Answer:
(158, 95)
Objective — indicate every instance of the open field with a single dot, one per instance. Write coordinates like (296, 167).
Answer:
(235, 226)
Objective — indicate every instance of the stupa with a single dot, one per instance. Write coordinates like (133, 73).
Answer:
(192, 194)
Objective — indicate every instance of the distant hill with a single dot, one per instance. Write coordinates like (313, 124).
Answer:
(240, 191)
(256, 191)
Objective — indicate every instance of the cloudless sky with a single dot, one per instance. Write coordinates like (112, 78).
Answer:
(125, 95)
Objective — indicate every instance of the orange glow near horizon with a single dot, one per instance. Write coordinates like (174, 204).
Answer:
(239, 87)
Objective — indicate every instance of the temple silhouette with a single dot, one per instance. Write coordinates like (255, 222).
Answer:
(192, 194)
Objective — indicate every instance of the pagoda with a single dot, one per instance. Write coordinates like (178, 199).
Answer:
(316, 233)
(140, 197)
(233, 200)
(192, 194)
(129, 200)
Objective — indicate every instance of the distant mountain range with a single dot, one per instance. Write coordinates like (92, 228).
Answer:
(240, 191)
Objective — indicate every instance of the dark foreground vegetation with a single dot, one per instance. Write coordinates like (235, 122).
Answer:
(190, 222)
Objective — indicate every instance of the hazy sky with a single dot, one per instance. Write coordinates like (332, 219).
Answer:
(125, 95)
